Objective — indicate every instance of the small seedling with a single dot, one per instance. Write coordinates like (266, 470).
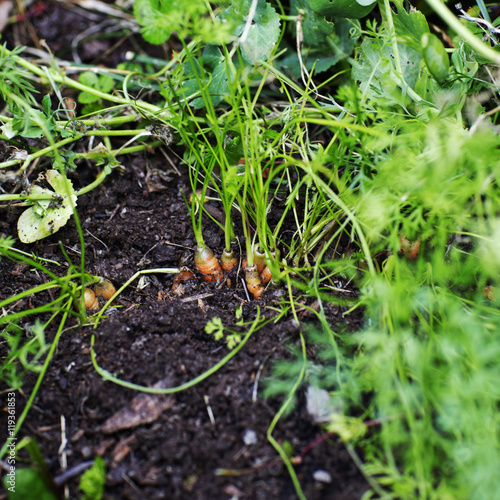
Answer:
(215, 327)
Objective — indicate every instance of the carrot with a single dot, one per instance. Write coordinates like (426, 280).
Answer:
(229, 260)
(104, 288)
(208, 265)
(254, 284)
(488, 291)
(258, 258)
(265, 276)
(184, 275)
(410, 249)
(91, 301)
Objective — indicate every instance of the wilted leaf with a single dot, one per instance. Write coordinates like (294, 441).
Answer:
(46, 217)
(143, 409)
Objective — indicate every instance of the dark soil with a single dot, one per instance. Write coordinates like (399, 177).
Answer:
(165, 447)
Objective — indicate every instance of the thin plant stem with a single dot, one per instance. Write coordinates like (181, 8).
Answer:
(452, 21)
(282, 453)
(107, 376)
(41, 376)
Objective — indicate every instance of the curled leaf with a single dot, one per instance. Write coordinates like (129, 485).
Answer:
(47, 216)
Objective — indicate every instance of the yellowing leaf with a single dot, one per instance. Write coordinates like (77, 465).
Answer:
(47, 216)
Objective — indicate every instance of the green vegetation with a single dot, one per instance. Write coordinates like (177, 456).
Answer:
(379, 141)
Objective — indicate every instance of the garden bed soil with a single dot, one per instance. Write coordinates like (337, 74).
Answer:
(157, 336)
(165, 447)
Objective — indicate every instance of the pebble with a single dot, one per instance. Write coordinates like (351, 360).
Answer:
(250, 437)
(322, 476)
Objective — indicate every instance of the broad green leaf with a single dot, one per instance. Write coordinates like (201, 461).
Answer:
(376, 72)
(46, 217)
(352, 9)
(409, 26)
(103, 83)
(47, 105)
(28, 483)
(263, 35)
(264, 31)
(335, 48)
(314, 26)
(215, 84)
(88, 78)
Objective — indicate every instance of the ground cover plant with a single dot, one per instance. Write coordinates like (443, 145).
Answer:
(336, 215)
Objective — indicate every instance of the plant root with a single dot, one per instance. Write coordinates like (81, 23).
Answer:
(208, 265)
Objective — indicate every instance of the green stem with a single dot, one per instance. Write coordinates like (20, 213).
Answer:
(282, 453)
(164, 270)
(392, 33)
(41, 376)
(41, 152)
(244, 224)
(64, 80)
(107, 376)
(447, 16)
(101, 177)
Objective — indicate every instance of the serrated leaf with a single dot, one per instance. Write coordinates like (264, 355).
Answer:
(27, 124)
(409, 26)
(160, 18)
(93, 480)
(214, 325)
(156, 20)
(8, 130)
(376, 73)
(46, 217)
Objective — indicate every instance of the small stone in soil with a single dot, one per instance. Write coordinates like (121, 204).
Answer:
(250, 437)
(322, 476)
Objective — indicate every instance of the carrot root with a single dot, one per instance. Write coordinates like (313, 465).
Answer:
(208, 265)
(104, 288)
(254, 284)
(259, 258)
(265, 276)
(184, 275)
(229, 260)
(410, 249)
